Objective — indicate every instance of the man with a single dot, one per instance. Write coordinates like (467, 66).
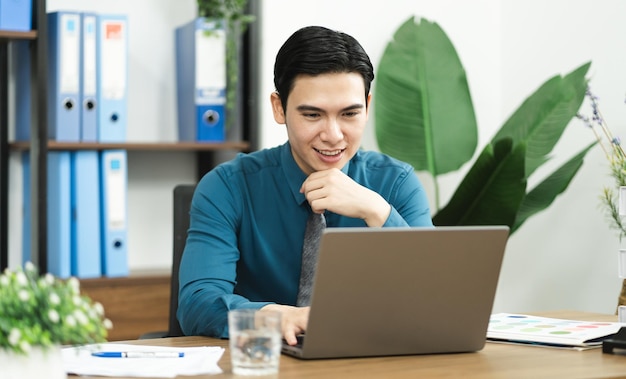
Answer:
(248, 216)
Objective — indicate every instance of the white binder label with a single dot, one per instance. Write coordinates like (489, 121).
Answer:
(116, 191)
(69, 54)
(210, 66)
(113, 60)
(89, 55)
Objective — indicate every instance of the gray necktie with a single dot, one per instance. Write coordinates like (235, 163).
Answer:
(315, 224)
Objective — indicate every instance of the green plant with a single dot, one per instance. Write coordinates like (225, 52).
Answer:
(45, 311)
(233, 12)
(424, 115)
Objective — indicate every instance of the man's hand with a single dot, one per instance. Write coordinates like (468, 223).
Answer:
(335, 191)
(294, 320)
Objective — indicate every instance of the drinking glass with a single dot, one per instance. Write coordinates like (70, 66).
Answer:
(255, 341)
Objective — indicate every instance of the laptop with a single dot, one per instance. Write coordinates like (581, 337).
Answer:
(402, 291)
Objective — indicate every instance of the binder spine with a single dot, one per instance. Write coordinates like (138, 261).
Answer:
(59, 218)
(112, 56)
(201, 80)
(64, 76)
(114, 212)
(85, 223)
(88, 85)
(16, 15)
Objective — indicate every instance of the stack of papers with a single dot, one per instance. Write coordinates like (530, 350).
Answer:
(195, 361)
(550, 332)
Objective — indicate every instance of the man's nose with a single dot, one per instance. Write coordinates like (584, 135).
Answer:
(332, 131)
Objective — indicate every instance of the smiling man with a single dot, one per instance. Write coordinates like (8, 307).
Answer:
(248, 216)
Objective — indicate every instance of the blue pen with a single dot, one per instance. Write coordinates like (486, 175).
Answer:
(138, 354)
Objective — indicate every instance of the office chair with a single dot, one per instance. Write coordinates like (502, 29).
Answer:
(182, 204)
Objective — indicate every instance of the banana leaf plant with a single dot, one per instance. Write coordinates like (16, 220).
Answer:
(424, 115)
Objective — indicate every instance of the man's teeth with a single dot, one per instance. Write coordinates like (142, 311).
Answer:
(330, 153)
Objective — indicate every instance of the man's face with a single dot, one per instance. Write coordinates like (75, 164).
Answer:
(325, 119)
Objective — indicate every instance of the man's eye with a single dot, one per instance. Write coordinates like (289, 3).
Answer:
(351, 114)
(311, 115)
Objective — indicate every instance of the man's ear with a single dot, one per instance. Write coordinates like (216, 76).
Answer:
(277, 108)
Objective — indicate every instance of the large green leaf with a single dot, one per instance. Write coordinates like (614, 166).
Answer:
(424, 115)
(541, 119)
(540, 197)
(423, 109)
(491, 192)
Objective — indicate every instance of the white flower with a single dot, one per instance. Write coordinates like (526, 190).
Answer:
(53, 315)
(74, 285)
(21, 278)
(30, 267)
(25, 346)
(80, 317)
(97, 306)
(4, 280)
(70, 321)
(23, 295)
(14, 336)
(54, 299)
(108, 324)
(49, 279)
(77, 300)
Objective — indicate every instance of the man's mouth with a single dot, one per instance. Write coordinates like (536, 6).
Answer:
(330, 153)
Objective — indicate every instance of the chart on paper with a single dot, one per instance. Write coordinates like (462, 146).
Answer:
(519, 328)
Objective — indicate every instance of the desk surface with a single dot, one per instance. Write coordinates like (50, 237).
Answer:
(494, 361)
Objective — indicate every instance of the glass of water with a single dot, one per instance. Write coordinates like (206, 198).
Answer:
(255, 341)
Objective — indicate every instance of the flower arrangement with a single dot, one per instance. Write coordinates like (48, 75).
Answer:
(41, 310)
(617, 162)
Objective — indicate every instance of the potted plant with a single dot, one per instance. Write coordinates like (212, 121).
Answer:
(38, 314)
(424, 115)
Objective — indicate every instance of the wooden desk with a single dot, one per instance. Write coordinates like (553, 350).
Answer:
(494, 361)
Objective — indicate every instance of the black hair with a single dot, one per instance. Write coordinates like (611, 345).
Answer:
(315, 50)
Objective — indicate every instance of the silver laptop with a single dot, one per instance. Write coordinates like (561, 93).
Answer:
(402, 291)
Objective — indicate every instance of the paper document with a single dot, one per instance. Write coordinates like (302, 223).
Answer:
(550, 332)
(196, 361)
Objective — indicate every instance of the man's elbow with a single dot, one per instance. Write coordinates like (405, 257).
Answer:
(198, 319)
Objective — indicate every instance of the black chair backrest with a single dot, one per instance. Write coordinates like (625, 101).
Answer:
(182, 204)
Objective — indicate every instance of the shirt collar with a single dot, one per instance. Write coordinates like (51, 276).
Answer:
(294, 175)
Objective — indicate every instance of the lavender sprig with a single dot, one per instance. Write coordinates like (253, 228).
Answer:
(614, 153)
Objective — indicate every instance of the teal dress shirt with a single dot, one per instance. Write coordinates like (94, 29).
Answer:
(248, 216)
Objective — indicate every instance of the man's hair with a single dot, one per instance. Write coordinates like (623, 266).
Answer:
(315, 50)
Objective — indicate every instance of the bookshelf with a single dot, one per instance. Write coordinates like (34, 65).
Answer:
(140, 146)
(37, 144)
(207, 155)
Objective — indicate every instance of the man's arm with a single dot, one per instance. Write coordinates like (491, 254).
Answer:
(204, 305)
(335, 191)
(409, 203)
(209, 262)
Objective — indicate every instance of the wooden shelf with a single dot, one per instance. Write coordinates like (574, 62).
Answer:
(140, 146)
(136, 304)
(11, 35)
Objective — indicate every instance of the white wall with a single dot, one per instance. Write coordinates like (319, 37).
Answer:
(563, 258)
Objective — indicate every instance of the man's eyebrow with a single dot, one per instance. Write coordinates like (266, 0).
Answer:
(311, 108)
